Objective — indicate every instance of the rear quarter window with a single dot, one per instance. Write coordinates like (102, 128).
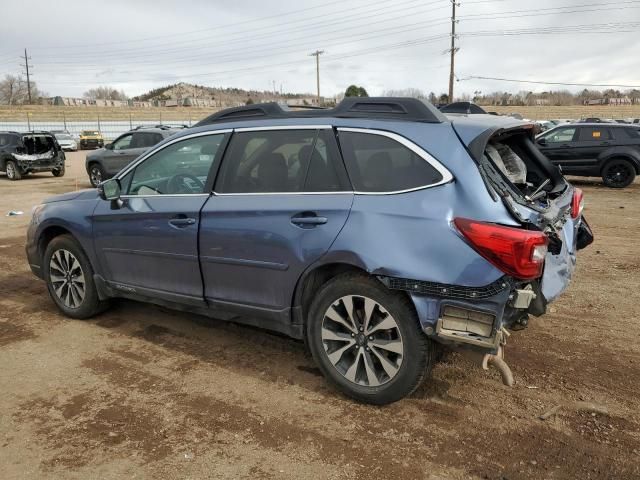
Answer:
(633, 133)
(378, 164)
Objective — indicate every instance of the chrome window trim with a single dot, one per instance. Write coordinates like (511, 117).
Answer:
(342, 192)
(447, 176)
(165, 195)
(153, 151)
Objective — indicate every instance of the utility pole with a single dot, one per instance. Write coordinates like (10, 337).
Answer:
(26, 66)
(317, 54)
(453, 49)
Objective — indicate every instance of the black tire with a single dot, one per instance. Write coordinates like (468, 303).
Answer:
(12, 170)
(96, 174)
(90, 304)
(618, 173)
(59, 172)
(418, 352)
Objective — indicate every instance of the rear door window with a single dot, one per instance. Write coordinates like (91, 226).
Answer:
(377, 163)
(593, 134)
(282, 161)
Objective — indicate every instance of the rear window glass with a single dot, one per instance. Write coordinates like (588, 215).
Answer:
(377, 163)
(593, 134)
(631, 132)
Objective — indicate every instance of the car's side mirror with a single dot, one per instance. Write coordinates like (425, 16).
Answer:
(542, 141)
(109, 189)
(109, 146)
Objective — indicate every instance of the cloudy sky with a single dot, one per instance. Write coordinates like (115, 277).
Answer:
(379, 44)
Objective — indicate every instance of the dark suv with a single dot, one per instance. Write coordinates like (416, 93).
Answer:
(31, 152)
(108, 161)
(607, 150)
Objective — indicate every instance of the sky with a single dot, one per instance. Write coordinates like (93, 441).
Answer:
(381, 45)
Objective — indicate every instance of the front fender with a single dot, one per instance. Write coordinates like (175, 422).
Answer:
(74, 217)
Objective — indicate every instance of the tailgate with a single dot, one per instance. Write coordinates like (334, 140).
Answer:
(533, 190)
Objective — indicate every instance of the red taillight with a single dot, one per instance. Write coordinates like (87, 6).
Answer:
(519, 253)
(577, 203)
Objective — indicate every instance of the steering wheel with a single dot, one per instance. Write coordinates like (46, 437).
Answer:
(176, 184)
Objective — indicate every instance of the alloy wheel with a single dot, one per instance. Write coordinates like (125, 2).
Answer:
(96, 176)
(362, 340)
(618, 174)
(67, 278)
(11, 170)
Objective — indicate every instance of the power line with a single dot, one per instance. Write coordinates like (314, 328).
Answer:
(477, 77)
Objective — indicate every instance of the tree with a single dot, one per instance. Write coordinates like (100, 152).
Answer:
(443, 98)
(105, 93)
(13, 91)
(406, 92)
(249, 101)
(355, 91)
(432, 98)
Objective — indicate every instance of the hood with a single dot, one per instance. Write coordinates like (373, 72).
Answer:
(87, 194)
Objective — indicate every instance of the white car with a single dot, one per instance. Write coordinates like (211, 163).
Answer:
(67, 142)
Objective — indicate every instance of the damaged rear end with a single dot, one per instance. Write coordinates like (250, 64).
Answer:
(537, 253)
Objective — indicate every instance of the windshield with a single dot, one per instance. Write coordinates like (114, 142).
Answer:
(90, 132)
(63, 136)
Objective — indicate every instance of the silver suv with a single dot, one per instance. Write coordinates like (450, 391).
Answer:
(113, 157)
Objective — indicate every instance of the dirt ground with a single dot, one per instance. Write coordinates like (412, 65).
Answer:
(142, 392)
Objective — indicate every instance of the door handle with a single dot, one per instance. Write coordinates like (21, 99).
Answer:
(181, 222)
(308, 220)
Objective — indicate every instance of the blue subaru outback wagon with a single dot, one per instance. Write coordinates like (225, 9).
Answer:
(379, 231)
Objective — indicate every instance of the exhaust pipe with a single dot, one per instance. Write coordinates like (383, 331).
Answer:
(497, 361)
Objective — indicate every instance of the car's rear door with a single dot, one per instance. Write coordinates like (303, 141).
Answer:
(590, 142)
(281, 198)
(148, 245)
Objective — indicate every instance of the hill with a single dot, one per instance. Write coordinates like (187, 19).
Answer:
(186, 94)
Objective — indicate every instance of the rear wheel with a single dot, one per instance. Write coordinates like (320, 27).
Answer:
(618, 173)
(96, 174)
(69, 278)
(367, 340)
(12, 170)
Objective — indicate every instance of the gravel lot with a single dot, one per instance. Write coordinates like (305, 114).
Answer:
(148, 393)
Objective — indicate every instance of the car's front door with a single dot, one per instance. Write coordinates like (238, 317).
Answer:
(118, 155)
(557, 145)
(149, 244)
(281, 198)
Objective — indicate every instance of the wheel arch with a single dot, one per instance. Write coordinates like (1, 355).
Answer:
(48, 234)
(316, 276)
(628, 156)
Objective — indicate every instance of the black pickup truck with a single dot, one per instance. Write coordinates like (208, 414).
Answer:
(31, 152)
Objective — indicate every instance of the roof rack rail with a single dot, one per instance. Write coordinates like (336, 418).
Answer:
(406, 109)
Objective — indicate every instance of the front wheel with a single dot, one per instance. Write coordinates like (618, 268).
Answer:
(618, 173)
(367, 340)
(96, 174)
(69, 278)
(13, 171)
